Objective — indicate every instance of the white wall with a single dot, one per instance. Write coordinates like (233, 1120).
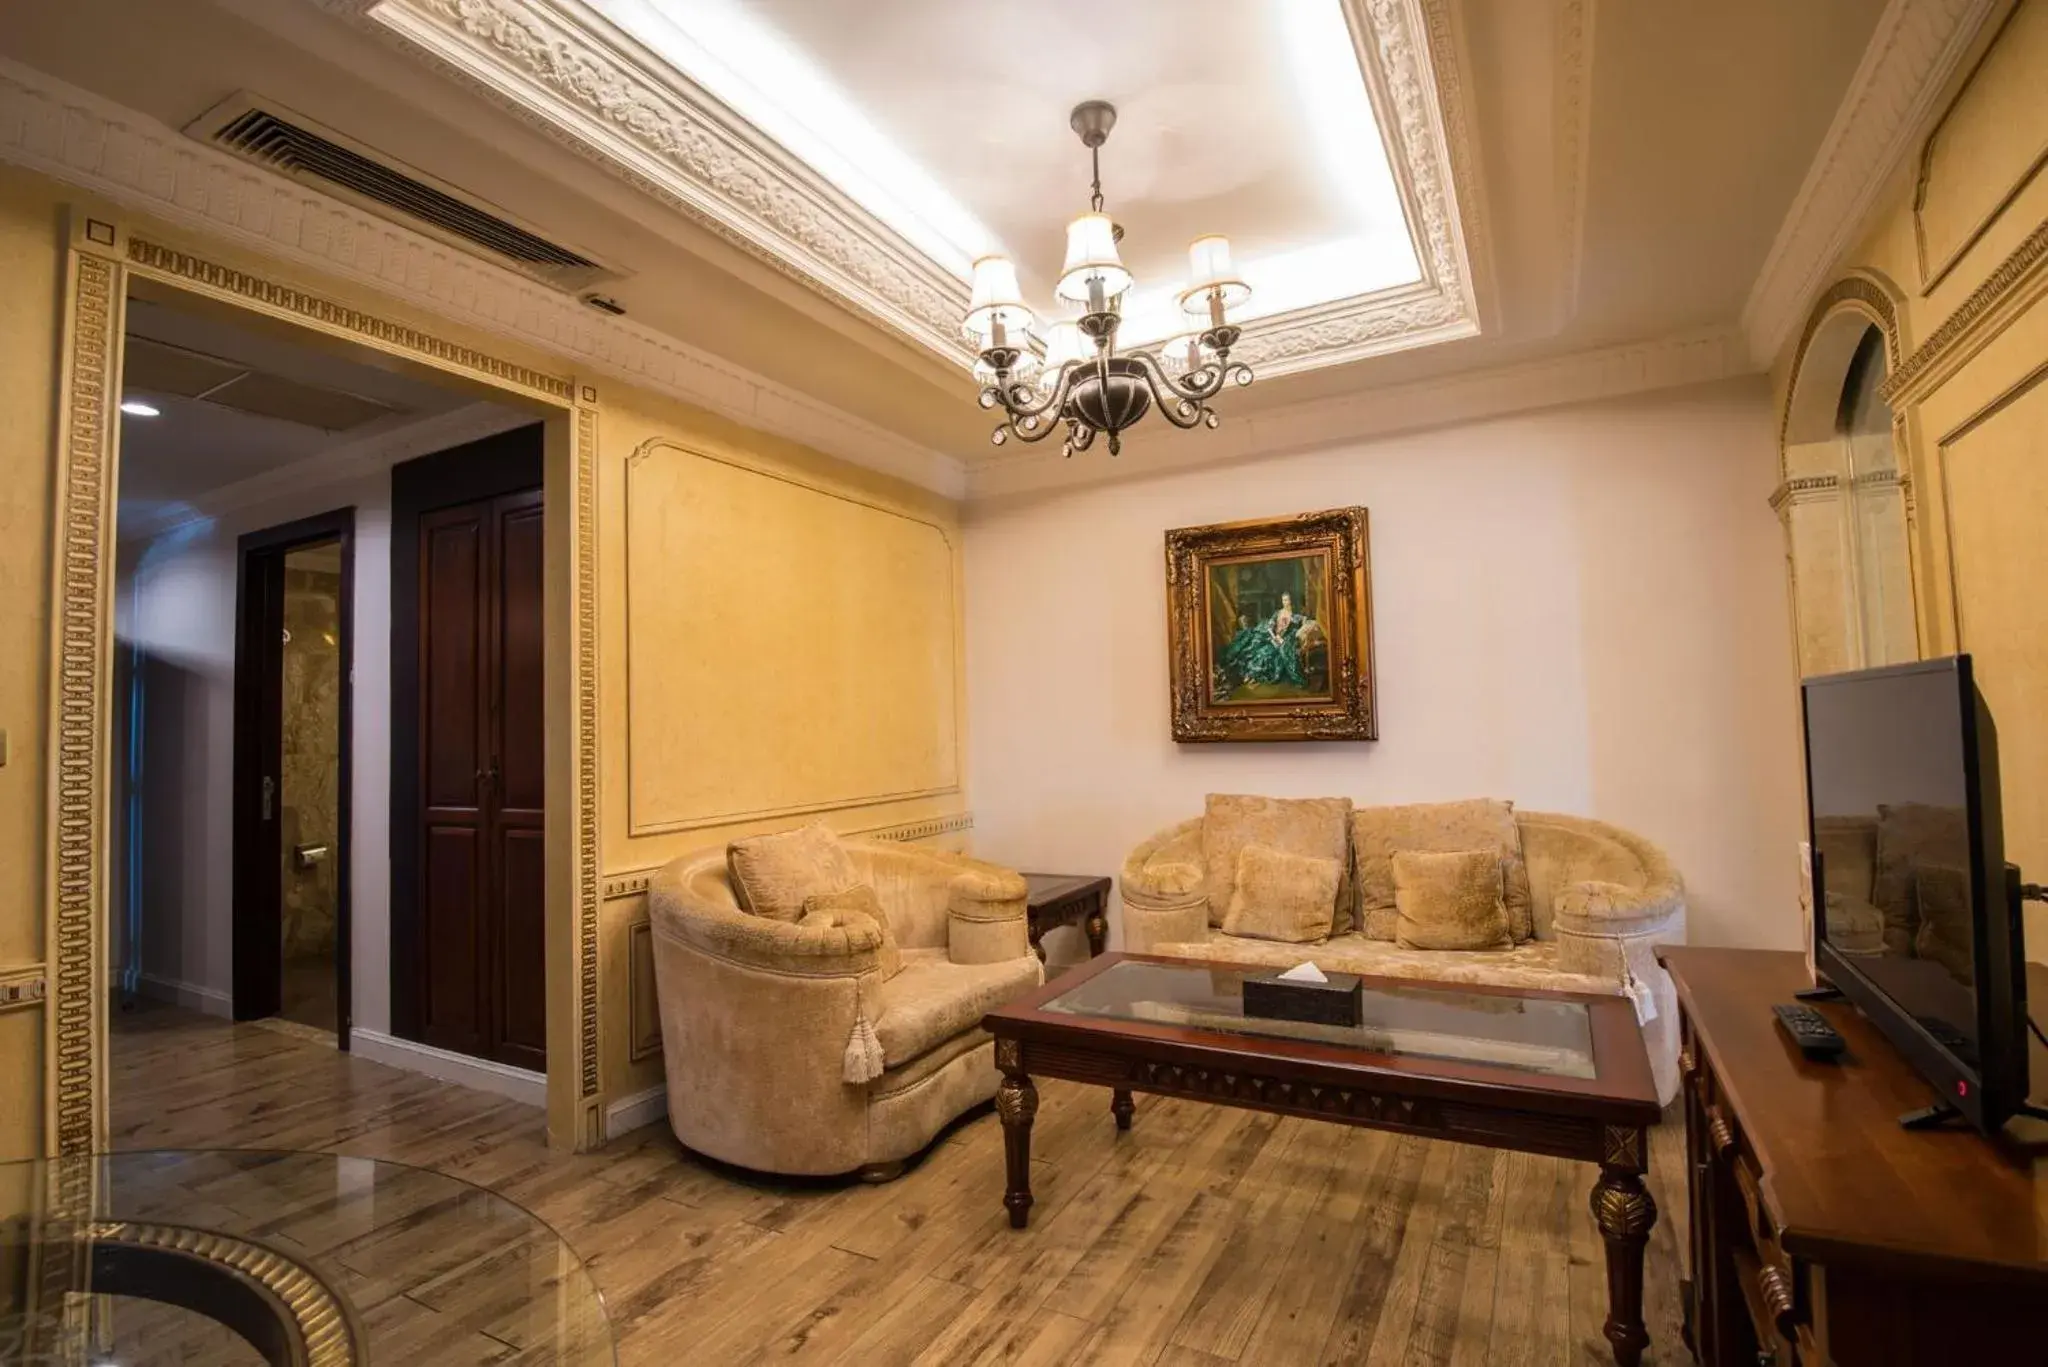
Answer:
(179, 595)
(1583, 610)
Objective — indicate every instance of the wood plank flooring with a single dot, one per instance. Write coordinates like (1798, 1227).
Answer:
(1204, 1236)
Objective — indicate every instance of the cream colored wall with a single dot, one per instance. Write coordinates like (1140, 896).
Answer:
(1965, 248)
(30, 228)
(1581, 610)
(781, 642)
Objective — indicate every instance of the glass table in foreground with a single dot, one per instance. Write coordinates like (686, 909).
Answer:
(236, 1257)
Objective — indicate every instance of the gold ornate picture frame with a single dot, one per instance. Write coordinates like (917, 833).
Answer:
(1269, 629)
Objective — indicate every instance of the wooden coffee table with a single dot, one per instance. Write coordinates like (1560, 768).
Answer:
(1558, 1073)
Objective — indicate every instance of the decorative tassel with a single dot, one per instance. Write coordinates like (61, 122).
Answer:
(864, 1062)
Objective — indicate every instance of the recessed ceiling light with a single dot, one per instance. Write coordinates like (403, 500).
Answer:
(136, 408)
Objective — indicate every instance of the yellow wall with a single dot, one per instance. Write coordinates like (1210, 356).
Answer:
(724, 515)
(781, 642)
(1963, 247)
(30, 229)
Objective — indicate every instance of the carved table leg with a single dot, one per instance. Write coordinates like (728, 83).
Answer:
(1037, 935)
(1120, 1106)
(1625, 1212)
(1017, 1105)
(1098, 931)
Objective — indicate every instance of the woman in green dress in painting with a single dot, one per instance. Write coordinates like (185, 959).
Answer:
(1267, 652)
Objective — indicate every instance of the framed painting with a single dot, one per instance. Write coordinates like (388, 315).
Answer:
(1269, 629)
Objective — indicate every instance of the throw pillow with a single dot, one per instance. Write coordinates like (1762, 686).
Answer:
(1910, 833)
(1450, 899)
(1282, 896)
(1942, 897)
(773, 874)
(856, 905)
(1298, 825)
(1377, 833)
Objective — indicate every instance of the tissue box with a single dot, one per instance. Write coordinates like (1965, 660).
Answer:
(1336, 1002)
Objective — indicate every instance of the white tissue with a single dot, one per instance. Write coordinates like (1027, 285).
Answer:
(1303, 973)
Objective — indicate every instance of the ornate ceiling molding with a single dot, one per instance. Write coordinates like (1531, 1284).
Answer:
(1574, 133)
(1579, 377)
(563, 69)
(132, 160)
(1916, 48)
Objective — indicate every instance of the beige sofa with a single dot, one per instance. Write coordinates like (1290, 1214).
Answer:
(762, 1021)
(1587, 938)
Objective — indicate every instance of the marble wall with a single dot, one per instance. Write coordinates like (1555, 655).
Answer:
(310, 773)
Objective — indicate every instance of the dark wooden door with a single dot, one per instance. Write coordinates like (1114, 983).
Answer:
(481, 976)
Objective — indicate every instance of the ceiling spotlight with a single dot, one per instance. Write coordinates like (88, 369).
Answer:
(136, 408)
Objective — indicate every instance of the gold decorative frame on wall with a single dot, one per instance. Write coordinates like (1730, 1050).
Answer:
(1348, 709)
(103, 258)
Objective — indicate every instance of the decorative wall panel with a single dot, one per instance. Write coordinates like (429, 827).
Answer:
(790, 649)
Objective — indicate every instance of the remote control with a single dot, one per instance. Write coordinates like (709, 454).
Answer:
(1810, 1030)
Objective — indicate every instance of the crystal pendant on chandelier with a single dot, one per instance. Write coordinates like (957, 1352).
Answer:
(1077, 377)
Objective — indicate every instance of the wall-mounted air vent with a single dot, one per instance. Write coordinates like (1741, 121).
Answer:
(267, 134)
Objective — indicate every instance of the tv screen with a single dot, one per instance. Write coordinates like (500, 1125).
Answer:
(1911, 920)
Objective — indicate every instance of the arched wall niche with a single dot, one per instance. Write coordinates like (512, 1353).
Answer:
(1846, 496)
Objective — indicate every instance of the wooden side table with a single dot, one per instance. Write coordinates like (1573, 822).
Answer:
(1065, 899)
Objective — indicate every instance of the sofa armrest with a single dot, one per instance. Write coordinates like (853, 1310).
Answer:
(1594, 907)
(1165, 871)
(725, 932)
(987, 915)
(1148, 926)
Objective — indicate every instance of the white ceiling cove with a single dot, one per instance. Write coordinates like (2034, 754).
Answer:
(1311, 133)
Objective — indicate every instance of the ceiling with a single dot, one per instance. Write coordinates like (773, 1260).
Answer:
(273, 401)
(1610, 173)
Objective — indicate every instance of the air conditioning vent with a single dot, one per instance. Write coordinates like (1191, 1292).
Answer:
(260, 132)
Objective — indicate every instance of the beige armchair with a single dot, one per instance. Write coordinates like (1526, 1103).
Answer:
(769, 1029)
(1603, 899)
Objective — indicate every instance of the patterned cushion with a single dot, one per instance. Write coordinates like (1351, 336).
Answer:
(1479, 823)
(1301, 825)
(857, 905)
(773, 874)
(1451, 899)
(1282, 896)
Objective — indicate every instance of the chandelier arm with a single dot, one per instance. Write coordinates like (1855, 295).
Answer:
(1050, 404)
(1178, 406)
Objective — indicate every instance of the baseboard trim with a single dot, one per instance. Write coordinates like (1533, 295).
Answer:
(501, 1079)
(191, 996)
(629, 1113)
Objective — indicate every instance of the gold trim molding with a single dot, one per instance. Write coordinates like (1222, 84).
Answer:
(329, 316)
(2010, 287)
(633, 882)
(80, 701)
(101, 260)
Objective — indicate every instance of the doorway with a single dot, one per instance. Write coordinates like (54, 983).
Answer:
(294, 684)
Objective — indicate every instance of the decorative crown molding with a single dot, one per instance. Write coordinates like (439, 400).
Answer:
(132, 160)
(1916, 48)
(564, 70)
(1469, 396)
(2015, 284)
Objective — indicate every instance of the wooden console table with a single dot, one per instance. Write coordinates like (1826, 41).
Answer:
(1821, 1231)
(1061, 899)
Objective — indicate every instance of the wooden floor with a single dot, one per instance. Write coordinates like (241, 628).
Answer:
(1204, 1236)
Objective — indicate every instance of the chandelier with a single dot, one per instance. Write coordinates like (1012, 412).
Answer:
(1082, 380)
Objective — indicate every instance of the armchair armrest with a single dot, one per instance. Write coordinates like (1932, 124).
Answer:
(987, 917)
(680, 911)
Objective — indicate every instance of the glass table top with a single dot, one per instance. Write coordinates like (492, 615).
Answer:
(1538, 1035)
(235, 1257)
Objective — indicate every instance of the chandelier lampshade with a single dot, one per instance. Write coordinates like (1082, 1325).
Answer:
(1094, 273)
(997, 303)
(1213, 279)
(1084, 384)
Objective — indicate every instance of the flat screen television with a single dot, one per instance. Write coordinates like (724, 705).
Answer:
(1916, 916)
